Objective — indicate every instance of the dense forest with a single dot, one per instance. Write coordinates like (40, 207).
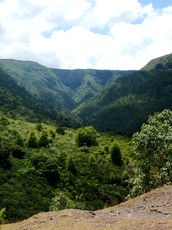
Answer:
(84, 139)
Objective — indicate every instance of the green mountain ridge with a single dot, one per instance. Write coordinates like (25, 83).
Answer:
(114, 100)
(128, 101)
(86, 83)
(40, 82)
(16, 102)
(160, 64)
(58, 88)
(14, 99)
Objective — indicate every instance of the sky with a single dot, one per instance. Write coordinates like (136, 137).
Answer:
(97, 34)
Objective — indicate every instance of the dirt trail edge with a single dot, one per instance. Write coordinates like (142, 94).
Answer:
(151, 211)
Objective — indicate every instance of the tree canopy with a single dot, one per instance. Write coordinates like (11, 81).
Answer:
(153, 152)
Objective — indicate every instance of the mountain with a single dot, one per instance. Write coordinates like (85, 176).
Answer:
(111, 100)
(56, 88)
(16, 101)
(128, 101)
(151, 211)
(40, 82)
(160, 64)
(86, 83)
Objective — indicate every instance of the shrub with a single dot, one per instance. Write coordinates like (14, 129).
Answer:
(2, 215)
(152, 154)
(86, 137)
(19, 140)
(32, 142)
(39, 127)
(60, 130)
(4, 158)
(116, 154)
(59, 202)
(46, 167)
(17, 151)
(44, 141)
(52, 134)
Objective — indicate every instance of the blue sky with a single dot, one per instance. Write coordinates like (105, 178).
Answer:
(158, 3)
(100, 34)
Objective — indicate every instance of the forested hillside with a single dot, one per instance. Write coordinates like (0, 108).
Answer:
(127, 102)
(160, 64)
(87, 83)
(61, 89)
(15, 101)
(44, 167)
(40, 82)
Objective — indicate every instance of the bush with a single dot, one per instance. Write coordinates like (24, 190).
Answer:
(39, 127)
(46, 167)
(86, 137)
(32, 142)
(17, 151)
(2, 215)
(60, 202)
(4, 158)
(44, 141)
(152, 154)
(116, 154)
(52, 134)
(19, 140)
(60, 130)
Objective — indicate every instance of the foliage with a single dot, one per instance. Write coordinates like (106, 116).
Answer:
(44, 140)
(58, 176)
(17, 151)
(60, 130)
(60, 202)
(4, 158)
(32, 141)
(86, 137)
(152, 153)
(116, 156)
(40, 82)
(46, 167)
(126, 103)
(2, 215)
(160, 64)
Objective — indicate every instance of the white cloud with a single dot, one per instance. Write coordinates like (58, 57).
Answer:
(105, 34)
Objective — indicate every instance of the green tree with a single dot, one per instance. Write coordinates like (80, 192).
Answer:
(153, 152)
(39, 127)
(2, 215)
(17, 151)
(116, 154)
(32, 141)
(4, 158)
(19, 140)
(60, 130)
(86, 137)
(44, 141)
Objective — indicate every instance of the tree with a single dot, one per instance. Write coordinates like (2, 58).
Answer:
(17, 151)
(153, 152)
(2, 215)
(86, 137)
(44, 141)
(60, 130)
(19, 141)
(32, 141)
(39, 127)
(116, 154)
(5, 158)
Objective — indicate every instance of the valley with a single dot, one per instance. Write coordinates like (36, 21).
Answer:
(85, 140)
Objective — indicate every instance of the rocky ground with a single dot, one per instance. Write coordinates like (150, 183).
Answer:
(151, 211)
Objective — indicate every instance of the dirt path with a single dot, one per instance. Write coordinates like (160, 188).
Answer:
(151, 211)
